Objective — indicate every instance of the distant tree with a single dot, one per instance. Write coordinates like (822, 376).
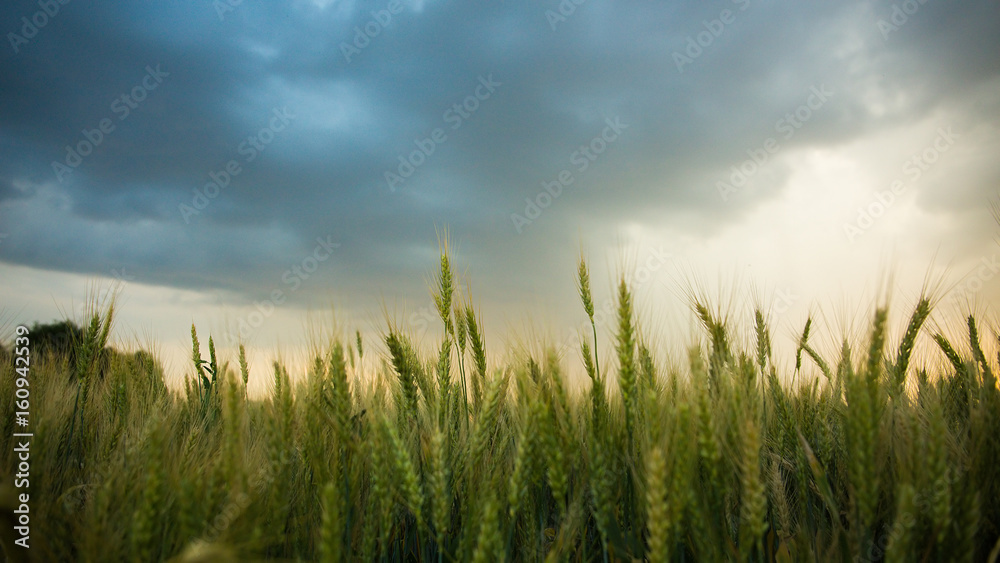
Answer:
(55, 340)
(58, 342)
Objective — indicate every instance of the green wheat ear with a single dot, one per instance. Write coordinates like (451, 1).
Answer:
(489, 544)
(920, 315)
(877, 344)
(950, 353)
(802, 342)
(440, 490)
(406, 363)
(195, 351)
(244, 369)
(407, 481)
(443, 297)
(753, 508)
(478, 347)
(583, 285)
(626, 358)
(977, 353)
(763, 342)
(331, 542)
(804, 346)
(657, 518)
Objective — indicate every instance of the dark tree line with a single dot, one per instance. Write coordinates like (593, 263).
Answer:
(59, 342)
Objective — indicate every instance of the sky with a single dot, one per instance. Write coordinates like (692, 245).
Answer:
(271, 170)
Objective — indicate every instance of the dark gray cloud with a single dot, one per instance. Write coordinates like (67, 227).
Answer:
(220, 82)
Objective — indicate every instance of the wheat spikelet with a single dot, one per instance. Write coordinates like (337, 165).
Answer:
(900, 538)
(478, 347)
(820, 362)
(583, 285)
(657, 519)
(234, 438)
(244, 369)
(802, 341)
(551, 443)
(603, 488)
(598, 398)
(557, 385)
(876, 345)
(213, 362)
(331, 546)
(408, 484)
(443, 371)
(950, 353)
(442, 298)
(489, 543)
(439, 487)
(920, 314)
(520, 477)
(405, 362)
(341, 394)
(763, 341)
(861, 430)
(845, 367)
(753, 505)
(709, 448)
(721, 353)
(146, 515)
(626, 358)
(779, 499)
(939, 474)
(989, 381)
(378, 520)
(461, 327)
(486, 423)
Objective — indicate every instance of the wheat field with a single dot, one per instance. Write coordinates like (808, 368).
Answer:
(455, 456)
